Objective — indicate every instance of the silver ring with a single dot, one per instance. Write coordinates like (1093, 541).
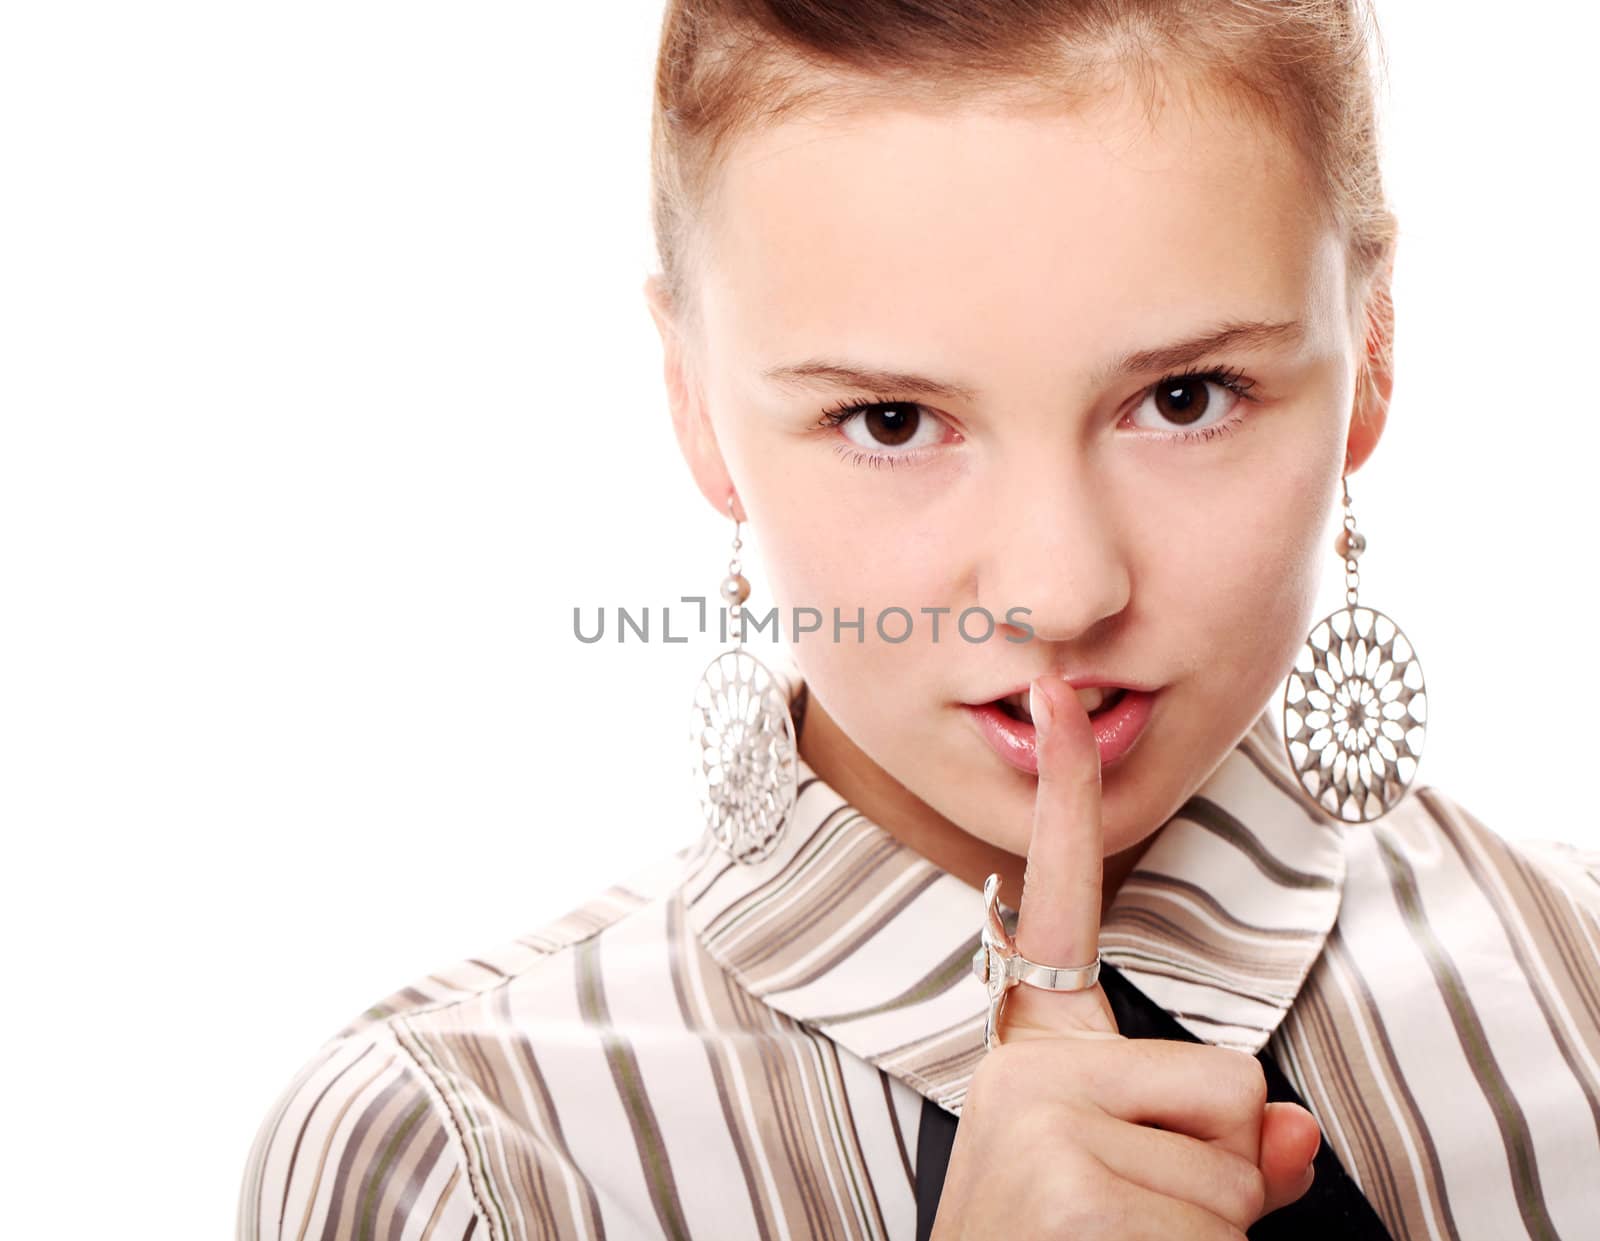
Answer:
(999, 966)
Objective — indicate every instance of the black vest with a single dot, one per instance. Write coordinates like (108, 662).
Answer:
(1333, 1207)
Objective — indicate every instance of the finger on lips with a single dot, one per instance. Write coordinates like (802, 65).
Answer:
(1198, 1091)
(1058, 917)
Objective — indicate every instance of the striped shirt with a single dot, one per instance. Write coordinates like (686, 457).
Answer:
(717, 1050)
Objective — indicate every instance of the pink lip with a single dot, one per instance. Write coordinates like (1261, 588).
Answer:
(1015, 740)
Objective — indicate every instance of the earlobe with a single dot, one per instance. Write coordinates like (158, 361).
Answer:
(1365, 431)
(691, 423)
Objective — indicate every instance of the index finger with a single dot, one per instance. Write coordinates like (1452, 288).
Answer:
(1058, 919)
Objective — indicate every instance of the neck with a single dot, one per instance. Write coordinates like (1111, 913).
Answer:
(847, 769)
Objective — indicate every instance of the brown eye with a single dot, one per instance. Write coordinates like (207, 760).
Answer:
(891, 425)
(1197, 405)
(1182, 401)
(886, 431)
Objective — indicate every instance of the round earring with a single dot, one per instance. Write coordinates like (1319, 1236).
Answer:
(743, 738)
(1355, 708)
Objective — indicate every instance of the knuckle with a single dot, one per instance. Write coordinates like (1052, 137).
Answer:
(1080, 1190)
(1246, 1191)
(1100, 1062)
(1246, 1083)
(1033, 1130)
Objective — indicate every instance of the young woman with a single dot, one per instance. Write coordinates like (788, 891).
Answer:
(1040, 342)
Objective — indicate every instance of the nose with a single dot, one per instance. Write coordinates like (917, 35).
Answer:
(1055, 549)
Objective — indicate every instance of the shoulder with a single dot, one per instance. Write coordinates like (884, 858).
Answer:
(1448, 927)
(1561, 877)
(1435, 868)
(524, 961)
(383, 1127)
(1449, 1035)
(357, 1140)
(1572, 869)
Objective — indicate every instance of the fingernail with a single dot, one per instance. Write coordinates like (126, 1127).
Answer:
(1040, 707)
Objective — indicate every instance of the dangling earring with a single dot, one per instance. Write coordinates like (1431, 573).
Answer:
(743, 739)
(1355, 710)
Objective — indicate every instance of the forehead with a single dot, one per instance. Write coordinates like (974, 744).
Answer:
(914, 229)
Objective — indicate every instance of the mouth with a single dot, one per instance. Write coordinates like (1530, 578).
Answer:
(1119, 714)
(1096, 700)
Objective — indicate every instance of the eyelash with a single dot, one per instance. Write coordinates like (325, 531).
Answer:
(1231, 378)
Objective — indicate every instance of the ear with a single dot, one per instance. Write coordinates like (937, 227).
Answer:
(686, 401)
(1375, 378)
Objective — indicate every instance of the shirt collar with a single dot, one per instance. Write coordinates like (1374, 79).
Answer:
(844, 928)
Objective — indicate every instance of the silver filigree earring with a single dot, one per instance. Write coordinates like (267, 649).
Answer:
(1355, 710)
(743, 738)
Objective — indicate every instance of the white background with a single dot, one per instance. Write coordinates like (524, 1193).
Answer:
(327, 390)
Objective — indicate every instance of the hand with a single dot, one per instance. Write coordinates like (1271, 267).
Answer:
(1071, 1129)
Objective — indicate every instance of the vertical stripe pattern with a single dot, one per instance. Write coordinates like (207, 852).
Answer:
(719, 1050)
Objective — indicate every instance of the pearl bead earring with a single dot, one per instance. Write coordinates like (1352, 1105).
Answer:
(743, 738)
(1355, 708)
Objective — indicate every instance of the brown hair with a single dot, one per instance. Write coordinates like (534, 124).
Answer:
(726, 66)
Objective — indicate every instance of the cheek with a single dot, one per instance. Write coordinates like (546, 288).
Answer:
(827, 558)
(823, 558)
(1247, 591)
(827, 536)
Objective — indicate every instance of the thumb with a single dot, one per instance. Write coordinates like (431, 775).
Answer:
(1290, 1138)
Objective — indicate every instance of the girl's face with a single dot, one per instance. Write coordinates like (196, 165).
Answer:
(1003, 274)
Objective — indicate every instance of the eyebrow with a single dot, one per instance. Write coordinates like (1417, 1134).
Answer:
(1234, 334)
